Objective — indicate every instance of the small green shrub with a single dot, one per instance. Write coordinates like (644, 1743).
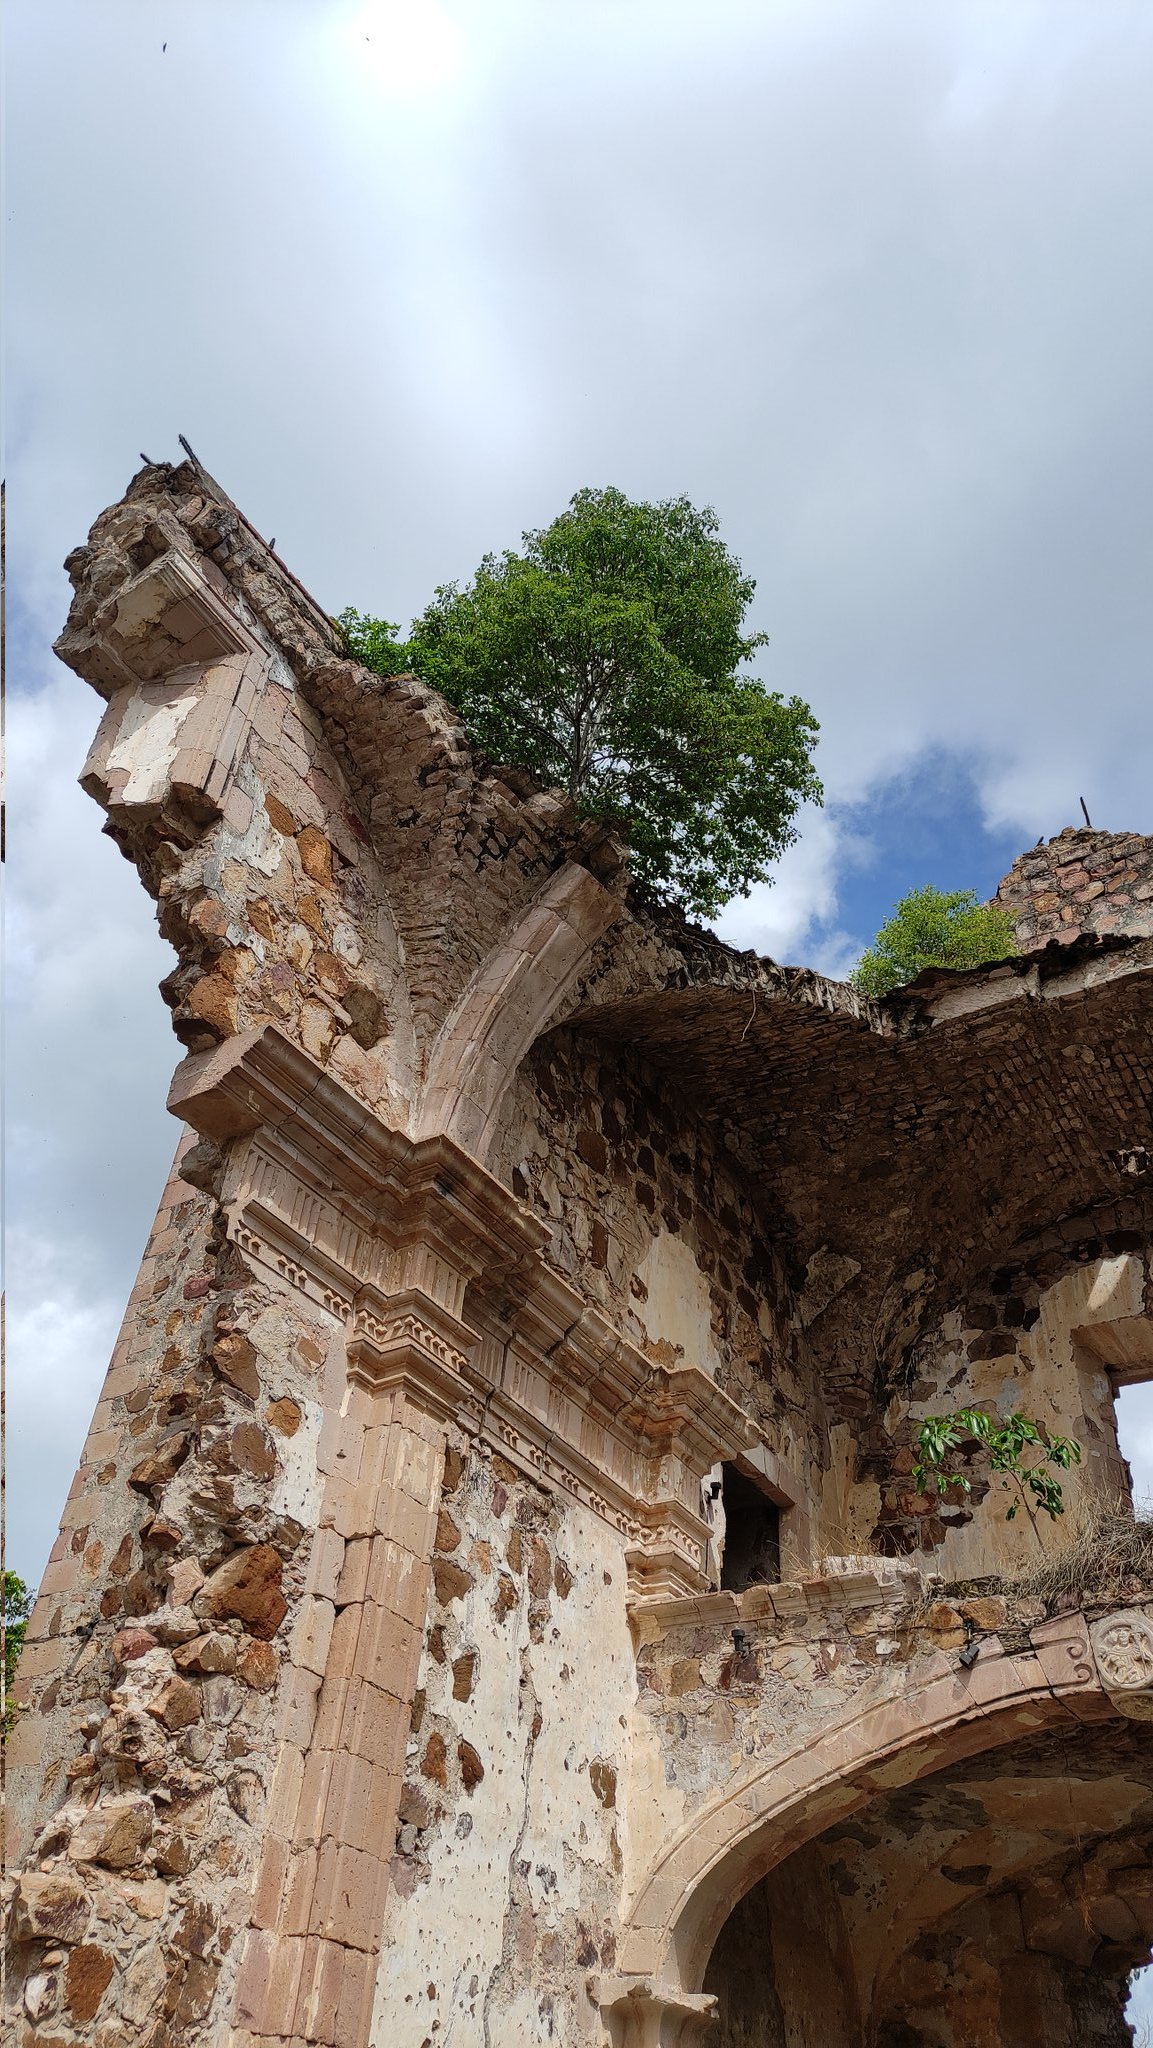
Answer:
(1021, 1453)
(17, 1607)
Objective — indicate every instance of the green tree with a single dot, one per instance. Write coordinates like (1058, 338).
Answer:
(608, 658)
(933, 928)
(17, 1607)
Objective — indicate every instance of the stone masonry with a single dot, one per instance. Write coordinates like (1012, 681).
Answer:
(529, 1259)
(1081, 881)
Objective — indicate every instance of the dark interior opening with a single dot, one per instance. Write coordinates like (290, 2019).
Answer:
(752, 1553)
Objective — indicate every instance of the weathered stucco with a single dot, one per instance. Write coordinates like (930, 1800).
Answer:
(381, 1691)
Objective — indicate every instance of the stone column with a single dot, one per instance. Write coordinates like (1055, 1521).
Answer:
(654, 2016)
(330, 1198)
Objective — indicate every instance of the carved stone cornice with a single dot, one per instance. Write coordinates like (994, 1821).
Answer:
(437, 1273)
(406, 1341)
(178, 611)
(323, 1173)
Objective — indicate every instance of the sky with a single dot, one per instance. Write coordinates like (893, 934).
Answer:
(870, 277)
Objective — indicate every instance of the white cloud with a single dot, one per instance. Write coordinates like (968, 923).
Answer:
(88, 1057)
(60, 1338)
(1139, 2011)
(781, 918)
(862, 277)
(400, 47)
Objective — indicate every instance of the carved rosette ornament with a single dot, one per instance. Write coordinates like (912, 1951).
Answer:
(1123, 1648)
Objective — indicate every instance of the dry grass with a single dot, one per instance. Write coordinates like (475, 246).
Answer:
(1103, 1550)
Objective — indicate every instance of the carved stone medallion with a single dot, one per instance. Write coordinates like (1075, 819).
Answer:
(1123, 1647)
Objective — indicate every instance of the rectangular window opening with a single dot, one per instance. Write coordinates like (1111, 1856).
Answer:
(752, 1539)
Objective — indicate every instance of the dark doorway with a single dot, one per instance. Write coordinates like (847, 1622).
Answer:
(752, 1553)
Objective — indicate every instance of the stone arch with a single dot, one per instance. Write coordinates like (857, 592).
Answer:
(507, 1003)
(786, 1800)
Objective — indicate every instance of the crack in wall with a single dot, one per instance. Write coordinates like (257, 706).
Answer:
(503, 1968)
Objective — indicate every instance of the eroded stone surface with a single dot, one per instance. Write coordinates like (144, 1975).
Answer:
(378, 1691)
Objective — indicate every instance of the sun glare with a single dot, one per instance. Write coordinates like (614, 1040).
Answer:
(407, 45)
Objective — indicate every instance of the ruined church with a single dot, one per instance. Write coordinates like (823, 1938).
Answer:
(495, 1606)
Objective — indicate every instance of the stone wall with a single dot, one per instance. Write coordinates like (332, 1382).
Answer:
(1044, 1816)
(515, 1793)
(1046, 1338)
(1081, 881)
(781, 1972)
(376, 1692)
(657, 1224)
(162, 1647)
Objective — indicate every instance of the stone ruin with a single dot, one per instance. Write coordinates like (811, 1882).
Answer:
(494, 1606)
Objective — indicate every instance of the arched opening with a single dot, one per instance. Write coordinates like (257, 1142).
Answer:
(999, 1901)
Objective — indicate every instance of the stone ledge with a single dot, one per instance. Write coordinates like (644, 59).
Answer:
(860, 1587)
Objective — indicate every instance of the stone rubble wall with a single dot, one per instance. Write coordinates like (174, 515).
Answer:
(1081, 881)
(651, 1219)
(811, 1650)
(1047, 1336)
(742, 1698)
(160, 1651)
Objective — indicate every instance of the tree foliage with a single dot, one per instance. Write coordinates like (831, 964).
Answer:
(934, 928)
(1020, 1451)
(608, 658)
(17, 1607)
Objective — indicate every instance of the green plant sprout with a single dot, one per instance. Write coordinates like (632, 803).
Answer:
(1010, 1445)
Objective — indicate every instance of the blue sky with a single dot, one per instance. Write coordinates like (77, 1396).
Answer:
(865, 275)
(924, 825)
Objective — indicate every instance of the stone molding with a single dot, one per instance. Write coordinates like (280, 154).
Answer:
(651, 2016)
(509, 1001)
(792, 1600)
(183, 673)
(390, 1235)
(179, 610)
